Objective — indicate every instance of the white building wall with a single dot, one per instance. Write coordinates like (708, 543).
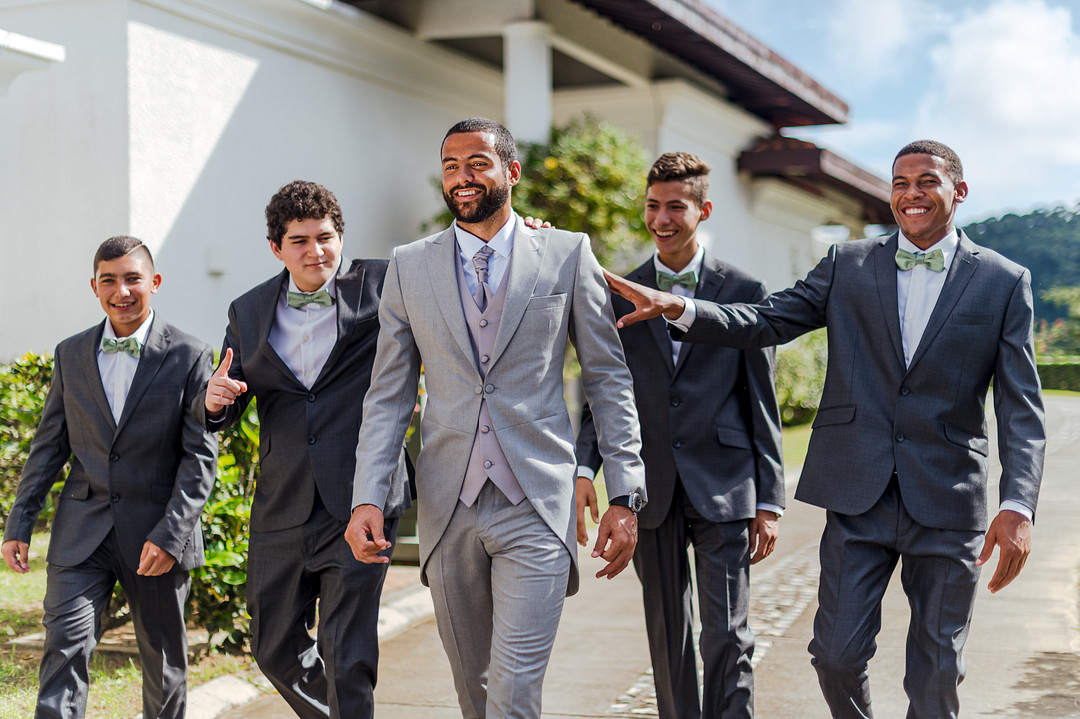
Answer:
(176, 120)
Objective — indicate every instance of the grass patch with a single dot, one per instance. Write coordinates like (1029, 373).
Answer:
(796, 442)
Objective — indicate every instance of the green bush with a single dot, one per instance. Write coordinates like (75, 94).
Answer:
(1060, 373)
(800, 376)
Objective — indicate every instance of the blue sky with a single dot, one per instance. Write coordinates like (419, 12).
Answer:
(997, 80)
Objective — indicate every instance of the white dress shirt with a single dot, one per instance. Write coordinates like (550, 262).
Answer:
(304, 336)
(498, 264)
(117, 369)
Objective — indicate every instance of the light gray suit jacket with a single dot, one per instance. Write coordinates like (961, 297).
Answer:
(146, 476)
(555, 292)
(927, 421)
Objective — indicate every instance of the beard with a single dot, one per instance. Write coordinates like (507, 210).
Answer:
(489, 203)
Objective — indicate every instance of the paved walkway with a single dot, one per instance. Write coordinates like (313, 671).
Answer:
(1023, 654)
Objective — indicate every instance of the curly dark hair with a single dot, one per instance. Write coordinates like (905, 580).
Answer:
(953, 168)
(683, 166)
(120, 246)
(505, 146)
(301, 200)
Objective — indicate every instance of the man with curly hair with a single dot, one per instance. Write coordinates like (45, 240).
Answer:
(302, 344)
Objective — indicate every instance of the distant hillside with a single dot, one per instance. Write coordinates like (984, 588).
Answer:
(1047, 242)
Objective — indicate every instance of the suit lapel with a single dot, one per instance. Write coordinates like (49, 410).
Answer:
(960, 271)
(266, 303)
(712, 278)
(349, 289)
(153, 354)
(88, 355)
(646, 275)
(440, 254)
(885, 269)
(525, 262)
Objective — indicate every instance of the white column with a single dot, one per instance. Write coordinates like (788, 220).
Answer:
(527, 80)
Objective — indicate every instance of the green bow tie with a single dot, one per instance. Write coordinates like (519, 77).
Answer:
(128, 345)
(934, 260)
(666, 280)
(300, 300)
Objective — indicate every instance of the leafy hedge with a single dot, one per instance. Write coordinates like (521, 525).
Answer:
(217, 590)
(1060, 373)
(800, 375)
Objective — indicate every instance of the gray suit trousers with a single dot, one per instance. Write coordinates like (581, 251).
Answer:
(722, 561)
(939, 576)
(498, 580)
(76, 596)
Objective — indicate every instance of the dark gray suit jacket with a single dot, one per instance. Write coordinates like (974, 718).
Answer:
(928, 420)
(147, 476)
(711, 420)
(307, 437)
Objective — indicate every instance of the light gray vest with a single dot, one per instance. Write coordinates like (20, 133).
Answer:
(487, 460)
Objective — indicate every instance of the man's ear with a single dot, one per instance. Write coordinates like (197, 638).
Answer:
(275, 249)
(706, 210)
(515, 172)
(961, 191)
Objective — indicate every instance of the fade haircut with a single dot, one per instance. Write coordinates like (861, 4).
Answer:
(301, 200)
(953, 168)
(682, 167)
(505, 146)
(121, 246)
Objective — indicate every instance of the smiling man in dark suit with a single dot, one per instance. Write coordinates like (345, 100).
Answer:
(302, 343)
(141, 471)
(920, 323)
(710, 433)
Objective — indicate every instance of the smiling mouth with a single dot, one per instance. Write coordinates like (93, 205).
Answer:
(124, 306)
(915, 211)
(665, 235)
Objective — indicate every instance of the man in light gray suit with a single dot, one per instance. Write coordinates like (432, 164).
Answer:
(486, 307)
(919, 324)
(141, 471)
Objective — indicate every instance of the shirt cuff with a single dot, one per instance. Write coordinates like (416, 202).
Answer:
(779, 511)
(1018, 507)
(689, 314)
(586, 473)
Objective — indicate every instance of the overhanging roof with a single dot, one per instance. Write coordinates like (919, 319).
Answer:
(759, 80)
(809, 166)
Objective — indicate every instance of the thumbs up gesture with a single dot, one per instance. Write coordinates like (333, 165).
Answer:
(222, 390)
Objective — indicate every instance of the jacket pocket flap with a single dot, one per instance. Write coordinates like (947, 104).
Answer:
(75, 490)
(841, 414)
(543, 302)
(976, 443)
(733, 437)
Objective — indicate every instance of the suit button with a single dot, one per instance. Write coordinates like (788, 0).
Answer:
(483, 323)
(311, 397)
(311, 439)
(487, 464)
(485, 359)
(485, 429)
(116, 498)
(900, 438)
(676, 444)
(478, 389)
(489, 388)
(904, 391)
(114, 457)
(675, 401)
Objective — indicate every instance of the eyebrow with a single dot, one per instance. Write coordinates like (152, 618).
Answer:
(474, 156)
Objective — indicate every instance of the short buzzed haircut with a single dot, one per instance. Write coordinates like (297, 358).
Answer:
(121, 246)
(301, 200)
(505, 145)
(953, 168)
(682, 167)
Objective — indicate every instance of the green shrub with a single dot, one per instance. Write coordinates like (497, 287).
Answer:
(1060, 373)
(800, 376)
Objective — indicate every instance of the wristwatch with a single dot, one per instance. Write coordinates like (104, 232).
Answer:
(633, 501)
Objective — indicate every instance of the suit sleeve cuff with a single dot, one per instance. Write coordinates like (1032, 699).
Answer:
(1018, 507)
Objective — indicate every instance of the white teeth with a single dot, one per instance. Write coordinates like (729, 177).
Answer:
(915, 211)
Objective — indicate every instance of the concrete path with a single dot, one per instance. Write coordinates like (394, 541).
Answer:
(1023, 654)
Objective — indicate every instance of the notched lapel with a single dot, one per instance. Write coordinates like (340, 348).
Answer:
(525, 262)
(712, 279)
(960, 272)
(349, 287)
(153, 355)
(646, 275)
(88, 364)
(266, 309)
(440, 254)
(885, 269)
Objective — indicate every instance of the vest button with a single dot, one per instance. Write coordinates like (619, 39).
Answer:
(311, 397)
(489, 388)
(478, 389)
(487, 464)
(485, 429)
(485, 359)
(483, 323)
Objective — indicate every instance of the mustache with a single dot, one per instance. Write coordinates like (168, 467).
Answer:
(469, 186)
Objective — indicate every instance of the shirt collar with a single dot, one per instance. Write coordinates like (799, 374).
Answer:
(139, 334)
(694, 265)
(503, 241)
(330, 285)
(946, 244)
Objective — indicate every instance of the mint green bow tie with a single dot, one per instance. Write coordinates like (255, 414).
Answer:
(128, 345)
(934, 260)
(300, 300)
(666, 280)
